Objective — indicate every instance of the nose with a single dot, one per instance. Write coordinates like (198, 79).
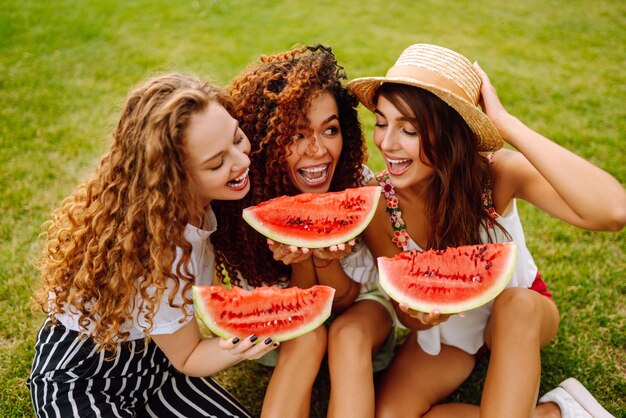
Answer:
(242, 160)
(388, 140)
(315, 147)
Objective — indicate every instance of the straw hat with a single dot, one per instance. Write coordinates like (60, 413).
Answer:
(443, 72)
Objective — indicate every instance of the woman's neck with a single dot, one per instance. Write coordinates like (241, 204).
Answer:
(413, 194)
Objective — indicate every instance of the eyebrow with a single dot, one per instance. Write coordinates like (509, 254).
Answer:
(328, 119)
(401, 118)
(219, 153)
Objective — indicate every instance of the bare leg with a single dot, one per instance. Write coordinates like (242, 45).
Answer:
(415, 381)
(547, 410)
(352, 338)
(522, 322)
(289, 391)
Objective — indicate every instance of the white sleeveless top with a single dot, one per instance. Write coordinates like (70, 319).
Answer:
(167, 319)
(467, 332)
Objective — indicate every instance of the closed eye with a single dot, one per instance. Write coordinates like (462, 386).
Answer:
(408, 132)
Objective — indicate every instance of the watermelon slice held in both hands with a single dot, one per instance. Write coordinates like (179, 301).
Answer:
(451, 281)
(315, 220)
(282, 314)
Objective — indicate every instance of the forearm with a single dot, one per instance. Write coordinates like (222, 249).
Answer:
(596, 197)
(303, 274)
(208, 359)
(194, 356)
(330, 273)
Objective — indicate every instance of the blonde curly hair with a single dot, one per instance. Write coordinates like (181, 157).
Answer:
(110, 247)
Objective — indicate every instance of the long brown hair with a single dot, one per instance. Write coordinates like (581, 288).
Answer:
(272, 99)
(111, 245)
(454, 204)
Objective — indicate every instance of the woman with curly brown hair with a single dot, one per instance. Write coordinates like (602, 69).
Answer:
(306, 137)
(122, 254)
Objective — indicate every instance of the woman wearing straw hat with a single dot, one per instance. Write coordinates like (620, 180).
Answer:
(447, 170)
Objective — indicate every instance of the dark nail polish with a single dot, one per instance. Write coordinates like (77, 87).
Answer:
(268, 341)
(235, 340)
(253, 338)
(275, 344)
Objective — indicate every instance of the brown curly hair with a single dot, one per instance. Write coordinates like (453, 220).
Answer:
(272, 98)
(111, 245)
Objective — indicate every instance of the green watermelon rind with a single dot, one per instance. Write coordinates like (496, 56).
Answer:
(206, 318)
(337, 239)
(500, 284)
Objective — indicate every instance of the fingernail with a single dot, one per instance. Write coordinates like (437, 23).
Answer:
(235, 340)
(268, 341)
(276, 344)
(253, 338)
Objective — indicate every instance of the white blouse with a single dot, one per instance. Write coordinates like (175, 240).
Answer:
(167, 319)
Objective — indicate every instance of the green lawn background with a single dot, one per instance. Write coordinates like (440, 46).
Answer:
(66, 66)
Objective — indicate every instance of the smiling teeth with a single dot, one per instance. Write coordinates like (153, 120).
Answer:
(398, 161)
(314, 170)
(240, 178)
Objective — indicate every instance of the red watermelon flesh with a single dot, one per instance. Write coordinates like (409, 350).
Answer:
(453, 280)
(274, 312)
(315, 220)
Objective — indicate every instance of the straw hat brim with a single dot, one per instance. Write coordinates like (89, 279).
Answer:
(488, 137)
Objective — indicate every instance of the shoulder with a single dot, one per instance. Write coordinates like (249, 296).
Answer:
(510, 165)
(511, 171)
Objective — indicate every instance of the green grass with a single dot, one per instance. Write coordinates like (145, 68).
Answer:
(66, 66)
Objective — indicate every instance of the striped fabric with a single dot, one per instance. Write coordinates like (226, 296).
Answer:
(69, 379)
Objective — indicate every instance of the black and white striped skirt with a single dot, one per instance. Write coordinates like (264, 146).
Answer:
(70, 379)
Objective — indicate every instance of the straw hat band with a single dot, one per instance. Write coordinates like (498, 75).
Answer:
(428, 77)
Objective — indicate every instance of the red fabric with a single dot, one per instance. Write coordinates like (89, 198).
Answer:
(540, 286)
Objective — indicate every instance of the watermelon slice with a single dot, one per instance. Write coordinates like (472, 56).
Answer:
(282, 314)
(452, 280)
(315, 220)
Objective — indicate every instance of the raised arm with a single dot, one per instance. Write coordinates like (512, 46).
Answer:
(549, 176)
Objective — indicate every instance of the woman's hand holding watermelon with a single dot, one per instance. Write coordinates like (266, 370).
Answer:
(290, 254)
(334, 252)
(250, 348)
(430, 319)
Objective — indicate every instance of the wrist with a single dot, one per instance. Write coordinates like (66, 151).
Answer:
(321, 263)
(345, 294)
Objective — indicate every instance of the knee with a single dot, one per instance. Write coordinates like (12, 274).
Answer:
(314, 341)
(347, 333)
(311, 345)
(517, 309)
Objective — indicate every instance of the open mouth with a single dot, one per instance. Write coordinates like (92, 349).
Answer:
(314, 176)
(397, 167)
(239, 182)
